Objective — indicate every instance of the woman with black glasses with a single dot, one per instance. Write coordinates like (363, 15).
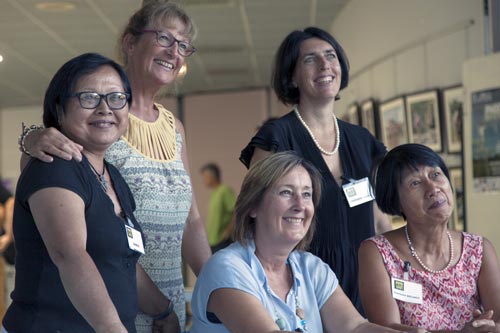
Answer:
(76, 236)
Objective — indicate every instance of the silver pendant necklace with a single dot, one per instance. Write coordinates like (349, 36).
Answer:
(100, 177)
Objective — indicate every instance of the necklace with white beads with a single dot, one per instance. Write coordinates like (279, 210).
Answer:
(321, 149)
(415, 255)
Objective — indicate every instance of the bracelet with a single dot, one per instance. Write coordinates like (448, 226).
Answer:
(166, 313)
(24, 134)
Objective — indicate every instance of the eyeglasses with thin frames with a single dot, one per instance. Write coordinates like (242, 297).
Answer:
(166, 39)
(91, 100)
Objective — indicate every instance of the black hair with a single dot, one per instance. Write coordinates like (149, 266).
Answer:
(213, 169)
(388, 173)
(64, 81)
(286, 58)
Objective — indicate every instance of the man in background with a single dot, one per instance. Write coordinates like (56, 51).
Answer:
(220, 208)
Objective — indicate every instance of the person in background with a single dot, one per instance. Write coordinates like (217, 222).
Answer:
(310, 69)
(220, 207)
(6, 214)
(7, 248)
(77, 240)
(424, 275)
(152, 154)
(265, 281)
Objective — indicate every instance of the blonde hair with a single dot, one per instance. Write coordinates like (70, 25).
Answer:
(261, 178)
(150, 13)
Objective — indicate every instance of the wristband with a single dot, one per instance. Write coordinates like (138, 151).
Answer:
(166, 313)
(24, 134)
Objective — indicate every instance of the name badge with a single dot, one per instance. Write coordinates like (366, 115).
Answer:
(358, 192)
(406, 291)
(134, 238)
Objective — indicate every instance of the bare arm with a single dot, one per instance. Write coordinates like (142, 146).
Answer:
(382, 221)
(195, 248)
(8, 237)
(375, 288)
(48, 142)
(339, 315)
(60, 218)
(489, 289)
(153, 302)
(241, 312)
(259, 154)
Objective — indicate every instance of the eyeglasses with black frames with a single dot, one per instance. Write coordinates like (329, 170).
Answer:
(166, 39)
(91, 100)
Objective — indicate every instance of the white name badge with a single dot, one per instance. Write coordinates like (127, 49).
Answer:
(134, 239)
(406, 291)
(358, 192)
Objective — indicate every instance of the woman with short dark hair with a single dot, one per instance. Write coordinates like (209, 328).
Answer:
(77, 239)
(310, 70)
(424, 275)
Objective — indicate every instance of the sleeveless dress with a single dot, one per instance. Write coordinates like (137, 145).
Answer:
(149, 158)
(339, 228)
(448, 297)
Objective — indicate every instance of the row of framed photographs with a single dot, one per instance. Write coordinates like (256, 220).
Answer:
(432, 118)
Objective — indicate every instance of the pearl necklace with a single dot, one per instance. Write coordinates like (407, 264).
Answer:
(415, 255)
(337, 139)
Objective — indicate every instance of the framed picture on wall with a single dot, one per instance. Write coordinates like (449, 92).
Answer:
(352, 114)
(424, 126)
(453, 102)
(368, 116)
(393, 126)
(456, 178)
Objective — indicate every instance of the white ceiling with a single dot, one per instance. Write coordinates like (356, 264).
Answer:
(236, 41)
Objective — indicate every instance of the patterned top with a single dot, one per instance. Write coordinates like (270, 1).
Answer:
(449, 297)
(162, 191)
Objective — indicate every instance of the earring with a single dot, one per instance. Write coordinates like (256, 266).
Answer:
(294, 84)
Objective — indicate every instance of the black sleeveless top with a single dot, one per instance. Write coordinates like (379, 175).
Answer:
(339, 229)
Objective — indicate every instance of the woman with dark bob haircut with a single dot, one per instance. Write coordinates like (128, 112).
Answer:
(264, 282)
(76, 236)
(310, 69)
(424, 276)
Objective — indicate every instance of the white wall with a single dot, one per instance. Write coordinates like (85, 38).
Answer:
(10, 128)
(402, 46)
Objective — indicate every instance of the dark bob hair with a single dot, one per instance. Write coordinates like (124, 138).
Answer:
(389, 173)
(286, 60)
(64, 81)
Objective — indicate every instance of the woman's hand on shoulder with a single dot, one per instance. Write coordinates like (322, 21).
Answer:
(48, 142)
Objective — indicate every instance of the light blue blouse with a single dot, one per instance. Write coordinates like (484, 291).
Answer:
(238, 267)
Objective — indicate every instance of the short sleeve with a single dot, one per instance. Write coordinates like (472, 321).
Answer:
(268, 138)
(225, 269)
(38, 175)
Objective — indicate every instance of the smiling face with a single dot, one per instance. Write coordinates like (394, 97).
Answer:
(153, 63)
(286, 210)
(426, 195)
(95, 129)
(317, 73)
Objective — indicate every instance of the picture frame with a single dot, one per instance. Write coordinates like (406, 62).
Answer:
(393, 124)
(458, 216)
(352, 114)
(368, 120)
(453, 103)
(424, 125)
